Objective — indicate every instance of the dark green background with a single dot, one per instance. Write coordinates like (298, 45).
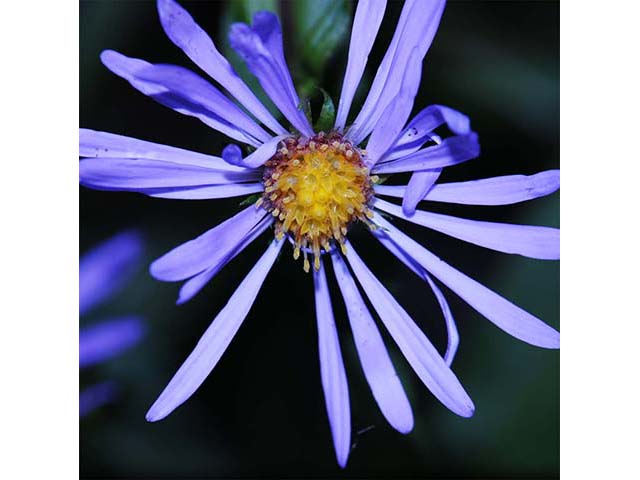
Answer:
(261, 412)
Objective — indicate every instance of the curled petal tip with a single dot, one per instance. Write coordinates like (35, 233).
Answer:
(264, 16)
(408, 208)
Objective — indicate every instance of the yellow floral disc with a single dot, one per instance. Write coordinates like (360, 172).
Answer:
(316, 188)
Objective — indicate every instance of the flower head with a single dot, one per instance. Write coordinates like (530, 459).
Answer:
(315, 189)
(313, 186)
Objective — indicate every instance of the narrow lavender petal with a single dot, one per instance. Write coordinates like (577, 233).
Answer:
(415, 346)
(419, 130)
(451, 151)
(206, 192)
(504, 314)
(388, 128)
(332, 372)
(267, 26)
(255, 160)
(185, 33)
(487, 191)
(108, 339)
(261, 48)
(201, 253)
(130, 69)
(196, 90)
(107, 268)
(192, 286)
(453, 338)
(263, 153)
(131, 174)
(526, 240)
(96, 396)
(366, 24)
(419, 185)
(215, 340)
(416, 28)
(374, 358)
(109, 145)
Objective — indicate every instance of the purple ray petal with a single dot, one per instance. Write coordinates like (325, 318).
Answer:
(108, 339)
(416, 28)
(419, 130)
(201, 253)
(332, 372)
(205, 193)
(131, 174)
(107, 268)
(196, 90)
(504, 314)
(453, 339)
(109, 145)
(366, 24)
(419, 185)
(415, 346)
(374, 358)
(487, 191)
(527, 240)
(96, 396)
(192, 286)
(451, 151)
(260, 47)
(257, 158)
(215, 340)
(196, 44)
(395, 115)
(179, 100)
(263, 153)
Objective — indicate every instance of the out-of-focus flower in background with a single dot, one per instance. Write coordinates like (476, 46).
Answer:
(315, 183)
(105, 271)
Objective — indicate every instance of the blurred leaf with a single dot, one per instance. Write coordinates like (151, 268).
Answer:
(327, 114)
(320, 27)
(243, 11)
(247, 8)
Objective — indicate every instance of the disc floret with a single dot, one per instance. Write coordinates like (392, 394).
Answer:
(316, 188)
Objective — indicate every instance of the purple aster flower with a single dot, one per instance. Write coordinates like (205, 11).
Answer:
(313, 186)
(103, 272)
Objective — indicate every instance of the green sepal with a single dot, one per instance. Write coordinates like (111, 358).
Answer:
(327, 117)
(251, 199)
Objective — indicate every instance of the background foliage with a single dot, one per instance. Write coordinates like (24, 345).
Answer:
(261, 412)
